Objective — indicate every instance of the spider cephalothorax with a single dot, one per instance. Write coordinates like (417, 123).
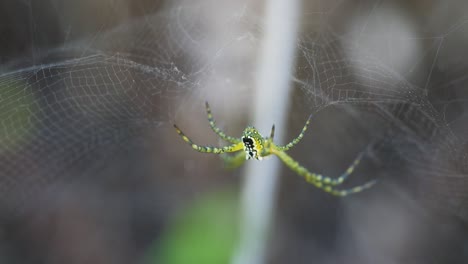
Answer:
(253, 146)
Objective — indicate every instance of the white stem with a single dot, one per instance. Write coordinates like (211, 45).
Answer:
(271, 103)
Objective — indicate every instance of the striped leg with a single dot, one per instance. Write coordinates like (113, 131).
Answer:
(216, 129)
(319, 181)
(344, 176)
(297, 139)
(209, 149)
(356, 189)
(308, 176)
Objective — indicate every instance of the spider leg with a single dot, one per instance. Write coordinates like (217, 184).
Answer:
(297, 139)
(272, 133)
(233, 161)
(210, 149)
(345, 175)
(216, 129)
(319, 181)
(352, 190)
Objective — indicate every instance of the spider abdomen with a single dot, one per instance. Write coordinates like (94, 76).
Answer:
(250, 149)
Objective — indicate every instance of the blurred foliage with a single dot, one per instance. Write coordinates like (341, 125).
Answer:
(206, 232)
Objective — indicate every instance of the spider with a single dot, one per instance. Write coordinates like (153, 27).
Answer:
(253, 146)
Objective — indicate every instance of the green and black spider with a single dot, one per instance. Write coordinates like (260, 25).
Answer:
(253, 146)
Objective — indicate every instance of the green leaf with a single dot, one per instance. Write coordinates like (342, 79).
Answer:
(206, 232)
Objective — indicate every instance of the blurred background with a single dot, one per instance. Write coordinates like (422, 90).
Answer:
(92, 171)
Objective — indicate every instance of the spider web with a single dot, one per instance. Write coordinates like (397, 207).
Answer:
(409, 123)
(79, 106)
(335, 70)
